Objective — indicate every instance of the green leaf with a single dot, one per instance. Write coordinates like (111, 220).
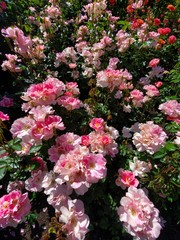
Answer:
(35, 149)
(3, 169)
(15, 144)
(2, 172)
(170, 146)
(159, 154)
(2, 151)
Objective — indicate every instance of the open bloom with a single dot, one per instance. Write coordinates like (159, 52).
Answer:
(113, 79)
(139, 216)
(126, 179)
(13, 207)
(97, 123)
(76, 221)
(172, 109)
(139, 168)
(44, 93)
(150, 138)
(10, 63)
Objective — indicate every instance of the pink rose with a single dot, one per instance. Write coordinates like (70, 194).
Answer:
(97, 123)
(139, 216)
(154, 62)
(6, 102)
(150, 138)
(13, 208)
(3, 117)
(75, 220)
(126, 179)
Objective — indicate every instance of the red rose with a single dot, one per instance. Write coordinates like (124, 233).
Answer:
(157, 21)
(171, 39)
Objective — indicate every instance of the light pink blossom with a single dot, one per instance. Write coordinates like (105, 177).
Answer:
(172, 109)
(96, 167)
(103, 142)
(22, 43)
(95, 9)
(139, 216)
(138, 4)
(34, 182)
(150, 138)
(16, 185)
(64, 143)
(11, 63)
(139, 168)
(80, 168)
(59, 196)
(67, 56)
(76, 221)
(10, 32)
(151, 90)
(45, 129)
(73, 88)
(113, 63)
(39, 113)
(53, 11)
(113, 79)
(137, 97)
(68, 102)
(124, 40)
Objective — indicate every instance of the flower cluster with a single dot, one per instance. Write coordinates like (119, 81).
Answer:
(89, 72)
(38, 125)
(114, 79)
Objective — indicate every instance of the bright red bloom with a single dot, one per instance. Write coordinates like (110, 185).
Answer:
(164, 31)
(171, 39)
(171, 8)
(157, 21)
(136, 23)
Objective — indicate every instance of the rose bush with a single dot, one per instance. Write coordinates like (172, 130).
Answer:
(96, 129)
